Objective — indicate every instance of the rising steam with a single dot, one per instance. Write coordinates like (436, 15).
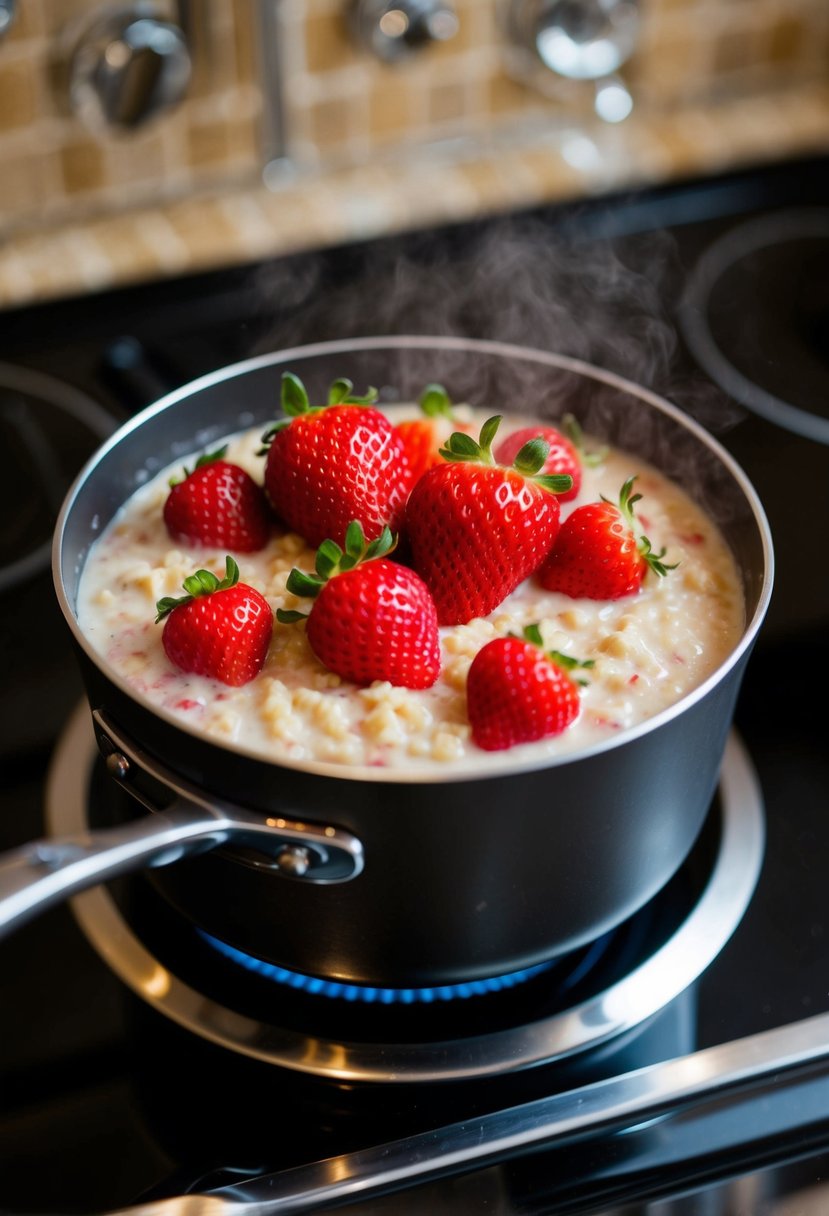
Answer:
(514, 279)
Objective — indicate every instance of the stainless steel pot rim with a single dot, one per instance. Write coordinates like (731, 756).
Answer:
(628, 1003)
(410, 774)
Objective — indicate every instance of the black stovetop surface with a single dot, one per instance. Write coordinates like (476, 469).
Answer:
(99, 1106)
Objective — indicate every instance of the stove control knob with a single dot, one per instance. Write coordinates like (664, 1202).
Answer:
(128, 67)
(579, 39)
(395, 30)
(7, 14)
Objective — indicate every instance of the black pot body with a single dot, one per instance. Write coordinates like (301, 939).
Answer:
(463, 877)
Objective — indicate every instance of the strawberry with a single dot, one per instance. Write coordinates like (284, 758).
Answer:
(372, 619)
(476, 529)
(217, 503)
(328, 465)
(423, 437)
(219, 629)
(566, 454)
(517, 694)
(597, 555)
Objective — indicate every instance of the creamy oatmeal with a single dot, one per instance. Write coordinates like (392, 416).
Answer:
(649, 649)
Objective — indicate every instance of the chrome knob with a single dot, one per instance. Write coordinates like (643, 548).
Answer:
(126, 68)
(7, 13)
(395, 30)
(581, 40)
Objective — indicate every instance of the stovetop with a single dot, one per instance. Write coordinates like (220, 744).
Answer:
(107, 1101)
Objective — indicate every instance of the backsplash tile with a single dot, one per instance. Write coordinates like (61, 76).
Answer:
(342, 109)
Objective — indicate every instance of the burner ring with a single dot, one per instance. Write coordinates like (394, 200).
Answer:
(30, 386)
(752, 237)
(626, 1004)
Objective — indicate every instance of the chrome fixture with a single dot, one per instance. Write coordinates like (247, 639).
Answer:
(129, 64)
(393, 31)
(581, 40)
(7, 14)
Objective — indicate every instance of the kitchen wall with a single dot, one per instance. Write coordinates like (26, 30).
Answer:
(356, 146)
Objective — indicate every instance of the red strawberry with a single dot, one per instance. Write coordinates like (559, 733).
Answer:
(328, 465)
(597, 555)
(517, 694)
(477, 529)
(372, 619)
(218, 503)
(566, 453)
(219, 629)
(423, 437)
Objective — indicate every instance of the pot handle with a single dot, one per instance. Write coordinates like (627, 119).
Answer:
(44, 872)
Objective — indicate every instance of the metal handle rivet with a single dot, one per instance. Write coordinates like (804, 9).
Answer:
(294, 861)
(118, 766)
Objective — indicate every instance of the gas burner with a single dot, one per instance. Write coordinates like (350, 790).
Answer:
(371, 995)
(755, 316)
(657, 955)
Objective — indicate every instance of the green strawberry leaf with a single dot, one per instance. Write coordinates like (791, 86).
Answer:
(355, 541)
(531, 457)
(329, 556)
(625, 505)
(568, 661)
(461, 447)
(383, 544)
(340, 391)
(532, 633)
(203, 582)
(205, 458)
(296, 402)
(654, 560)
(558, 483)
(307, 586)
(294, 396)
(487, 435)
(435, 402)
(330, 561)
(571, 428)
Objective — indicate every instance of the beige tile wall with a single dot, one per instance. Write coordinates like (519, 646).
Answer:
(343, 108)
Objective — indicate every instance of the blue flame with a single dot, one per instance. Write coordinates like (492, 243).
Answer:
(368, 993)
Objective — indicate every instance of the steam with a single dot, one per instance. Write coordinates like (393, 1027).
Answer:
(514, 279)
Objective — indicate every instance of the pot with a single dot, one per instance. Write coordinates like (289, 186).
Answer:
(377, 876)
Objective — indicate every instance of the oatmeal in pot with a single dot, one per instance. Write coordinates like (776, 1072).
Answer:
(620, 652)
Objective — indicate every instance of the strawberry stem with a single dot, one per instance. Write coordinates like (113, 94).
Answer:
(435, 402)
(296, 402)
(532, 634)
(625, 506)
(330, 561)
(530, 459)
(203, 582)
(205, 458)
(572, 429)
(460, 447)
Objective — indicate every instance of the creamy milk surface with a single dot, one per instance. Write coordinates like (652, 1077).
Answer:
(649, 649)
